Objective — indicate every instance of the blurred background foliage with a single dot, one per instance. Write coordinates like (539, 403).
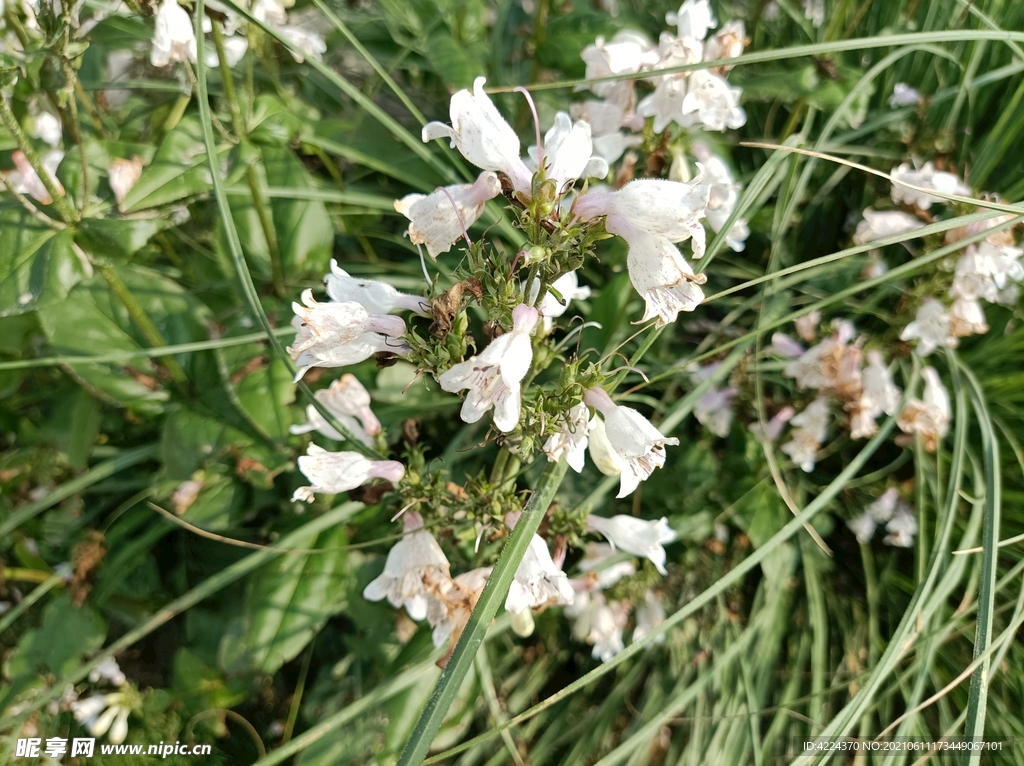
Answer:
(103, 415)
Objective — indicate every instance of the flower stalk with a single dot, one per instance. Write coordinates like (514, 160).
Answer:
(60, 200)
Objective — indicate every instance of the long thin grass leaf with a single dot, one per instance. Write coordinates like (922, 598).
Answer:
(494, 592)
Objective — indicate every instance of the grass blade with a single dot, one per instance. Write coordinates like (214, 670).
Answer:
(126, 459)
(978, 696)
(497, 587)
(235, 245)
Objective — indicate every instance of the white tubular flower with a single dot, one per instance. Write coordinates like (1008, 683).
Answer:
(901, 528)
(972, 278)
(693, 19)
(927, 177)
(903, 95)
(814, 12)
(337, 334)
(888, 223)
(568, 286)
(595, 560)
(602, 454)
(863, 527)
(786, 346)
(271, 11)
(723, 198)
(649, 615)
(773, 428)
(375, 297)
(235, 47)
(482, 136)
(24, 179)
(819, 366)
(174, 39)
(449, 609)
(122, 176)
(878, 395)
(537, 581)
(436, 222)
(349, 402)
(599, 623)
(108, 670)
(712, 103)
(104, 714)
(668, 209)
(714, 410)
(569, 153)
(636, 536)
(807, 326)
(627, 53)
(931, 328)
(46, 126)
(494, 376)
(665, 104)
(882, 509)
(807, 437)
(310, 43)
(612, 146)
(415, 570)
(929, 416)
(658, 272)
(997, 262)
(607, 622)
(966, 317)
(727, 43)
(571, 439)
(334, 472)
(639, 445)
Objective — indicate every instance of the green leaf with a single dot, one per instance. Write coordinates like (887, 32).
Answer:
(81, 425)
(92, 321)
(272, 122)
(286, 603)
(202, 687)
(67, 633)
(188, 439)
(38, 265)
(305, 234)
(119, 238)
(455, 63)
(265, 394)
(217, 501)
(179, 169)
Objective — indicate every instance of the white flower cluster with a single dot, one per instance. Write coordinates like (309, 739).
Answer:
(417, 577)
(174, 37)
(988, 271)
(346, 330)
(699, 100)
(106, 714)
(889, 509)
(834, 367)
(597, 620)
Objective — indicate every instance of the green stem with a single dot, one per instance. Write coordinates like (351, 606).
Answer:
(227, 82)
(300, 687)
(267, 224)
(258, 198)
(70, 81)
(498, 469)
(235, 245)
(142, 321)
(472, 637)
(90, 109)
(60, 202)
(30, 208)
